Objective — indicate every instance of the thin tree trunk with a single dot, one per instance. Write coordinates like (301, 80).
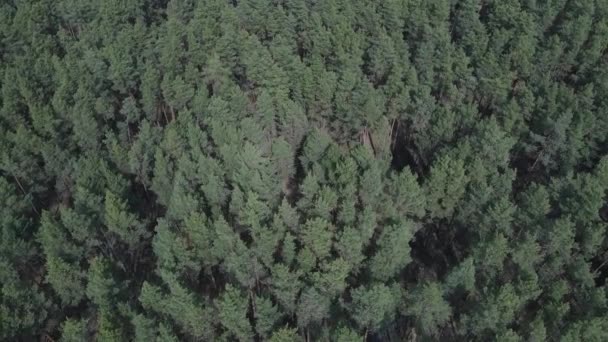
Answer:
(600, 266)
(164, 113)
(25, 193)
(253, 306)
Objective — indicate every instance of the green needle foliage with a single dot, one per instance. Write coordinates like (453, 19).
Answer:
(290, 170)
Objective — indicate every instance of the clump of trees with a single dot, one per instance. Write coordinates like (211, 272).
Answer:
(293, 170)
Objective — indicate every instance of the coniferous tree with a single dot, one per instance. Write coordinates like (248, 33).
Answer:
(302, 171)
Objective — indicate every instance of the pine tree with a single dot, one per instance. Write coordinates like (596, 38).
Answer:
(122, 222)
(393, 252)
(430, 309)
(73, 330)
(445, 186)
(373, 306)
(232, 308)
(267, 315)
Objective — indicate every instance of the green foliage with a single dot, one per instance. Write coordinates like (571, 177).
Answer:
(446, 186)
(121, 221)
(232, 309)
(372, 307)
(73, 330)
(344, 334)
(285, 335)
(430, 309)
(313, 307)
(393, 251)
(317, 235)
(461, 276)
(285, 286)
(406, 194)
(266, 316)
(180, 305)
(67, 281)
(303, 170)
(102, 289)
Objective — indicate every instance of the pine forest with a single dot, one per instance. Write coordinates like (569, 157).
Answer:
(304, 170)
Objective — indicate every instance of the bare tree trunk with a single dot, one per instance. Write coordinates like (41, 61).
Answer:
(25, 194)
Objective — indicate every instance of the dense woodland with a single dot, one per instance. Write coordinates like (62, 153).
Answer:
(303, 170)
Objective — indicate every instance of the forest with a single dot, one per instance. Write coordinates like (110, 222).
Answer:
(303, 170)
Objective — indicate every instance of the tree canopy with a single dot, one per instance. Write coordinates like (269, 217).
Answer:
(292, 170)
